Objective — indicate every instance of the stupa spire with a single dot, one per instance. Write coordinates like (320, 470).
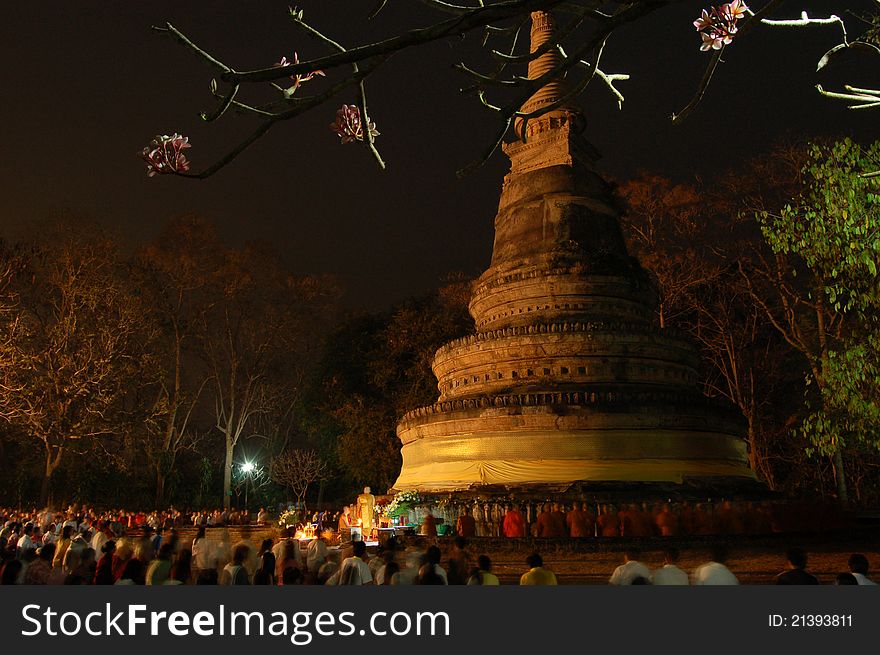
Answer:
(543, 27)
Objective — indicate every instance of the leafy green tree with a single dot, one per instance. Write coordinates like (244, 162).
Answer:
(830, 235)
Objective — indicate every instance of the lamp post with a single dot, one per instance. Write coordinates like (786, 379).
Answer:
(247, 470)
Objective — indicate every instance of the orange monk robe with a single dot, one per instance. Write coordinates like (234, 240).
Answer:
(560, 529)
(544, 525)
(642, 523)
(466, 526)
(686, 520)
(579, 523)
(704, 522)
(514, 524)
(626, 524)
(609, 525)
(667, 523)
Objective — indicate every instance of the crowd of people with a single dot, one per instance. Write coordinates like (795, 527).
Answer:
(80, 551)
(715, 572)
(586, 519)
(86, 517)
(485, 519)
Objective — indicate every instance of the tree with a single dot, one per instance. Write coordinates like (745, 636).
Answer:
(691, 254)
(297, 470)
(73, 349)
(376, 368)
(830, 234)
(255, 317)
(577, 46)
(172, 273)
(662, 224)
(867, 44)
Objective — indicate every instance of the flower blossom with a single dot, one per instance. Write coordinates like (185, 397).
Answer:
(717, 25)
(165, 155)
(299, 78)
(348, 124)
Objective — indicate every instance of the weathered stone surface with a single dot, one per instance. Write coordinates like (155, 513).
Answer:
(568, 379)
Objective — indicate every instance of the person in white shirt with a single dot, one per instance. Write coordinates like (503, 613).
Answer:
(715, 572)
(669, 573)
(202, 552)
(72, 522)
(316, 555)
(631, 569)
(45, 520)
(354, 570)
(407, 575)
(50, 536)
(25, 542)
(858, 566)
(102, 536)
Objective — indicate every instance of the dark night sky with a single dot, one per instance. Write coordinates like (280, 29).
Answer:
(86, 84)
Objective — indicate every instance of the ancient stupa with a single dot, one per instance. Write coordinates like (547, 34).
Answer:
(568, 380)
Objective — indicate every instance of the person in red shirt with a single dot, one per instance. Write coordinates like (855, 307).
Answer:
(514, 523)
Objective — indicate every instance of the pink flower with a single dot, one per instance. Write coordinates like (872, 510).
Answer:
(711, 41)
(348, 125)
(736, 9)
(717, 25)
(299, 78)
(703, 21)
(165, 156)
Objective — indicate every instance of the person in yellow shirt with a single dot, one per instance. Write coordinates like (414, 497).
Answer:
(482, 575)
(537, 574)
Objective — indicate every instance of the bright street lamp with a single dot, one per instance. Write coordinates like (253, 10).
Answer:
(247, 470)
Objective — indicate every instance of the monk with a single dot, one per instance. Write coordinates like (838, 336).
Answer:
(728, 519)
(543, 524)
(429, 525)
(687, 523)
(578, 522)
(366, 504)
(704, 520)
(466, 525)
(548, 525)
(560, 529)
(608, 522)
(514, 523)
(667, 522)
(345, 519)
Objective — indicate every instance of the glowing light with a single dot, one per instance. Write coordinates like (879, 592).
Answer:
(247, 467)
